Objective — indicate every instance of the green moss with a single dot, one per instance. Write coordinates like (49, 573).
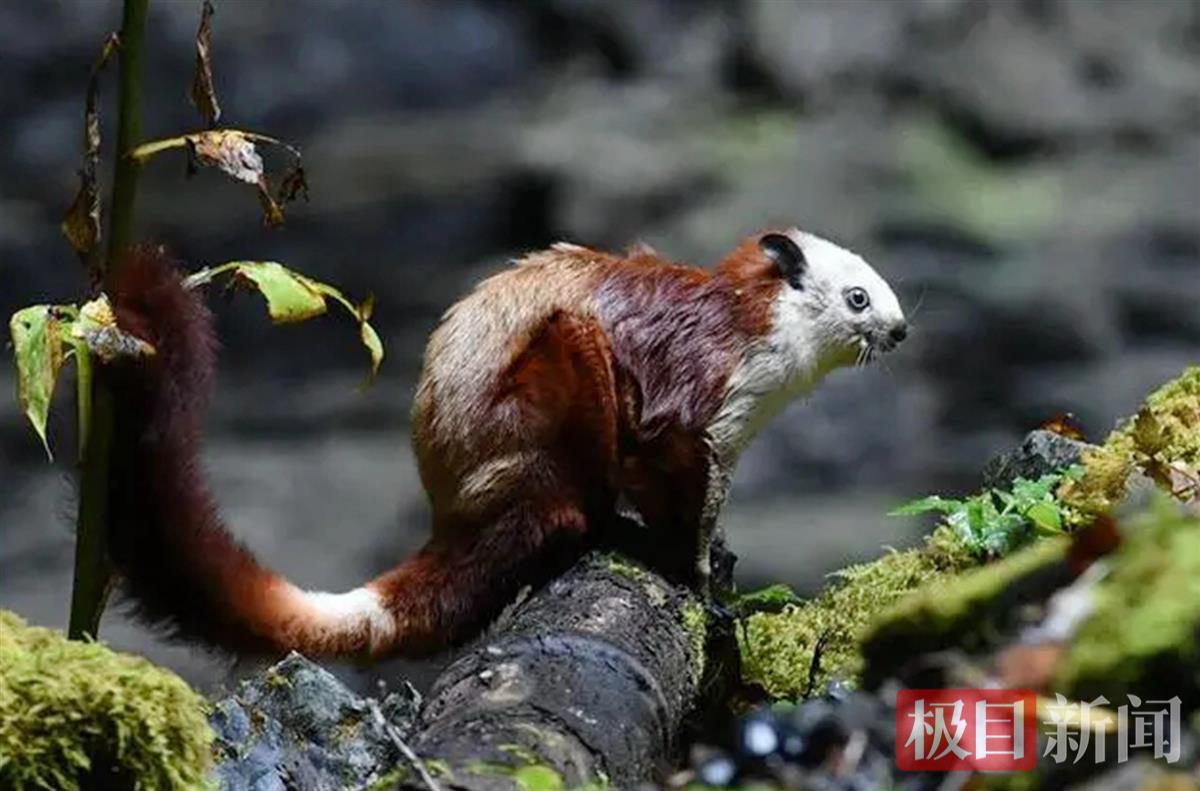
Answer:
(1161, 440)
(1144, 635)
(947, 603)
(778, 649)
(966, 611)
(695, 623)
(625, 568)
(70, 708)
(867, 618)
(534, 777)
(528, 776)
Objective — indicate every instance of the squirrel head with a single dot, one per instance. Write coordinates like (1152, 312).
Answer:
(822, 301)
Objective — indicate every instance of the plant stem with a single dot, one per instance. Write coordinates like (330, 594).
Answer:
(93, 570)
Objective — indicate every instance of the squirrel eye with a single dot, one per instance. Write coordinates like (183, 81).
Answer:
(857, 299)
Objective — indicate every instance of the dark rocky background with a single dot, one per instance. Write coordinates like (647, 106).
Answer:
(1027, 173)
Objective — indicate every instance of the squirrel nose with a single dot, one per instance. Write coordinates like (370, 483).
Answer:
(899, 332)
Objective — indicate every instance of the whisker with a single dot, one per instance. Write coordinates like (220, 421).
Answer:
(920, 301)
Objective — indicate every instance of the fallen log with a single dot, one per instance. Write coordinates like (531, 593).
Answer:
(587, 682)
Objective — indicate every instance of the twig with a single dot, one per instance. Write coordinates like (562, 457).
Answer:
(413, 759)
(814, 667)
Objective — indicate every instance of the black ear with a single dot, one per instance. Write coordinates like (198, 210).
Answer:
(786, 255)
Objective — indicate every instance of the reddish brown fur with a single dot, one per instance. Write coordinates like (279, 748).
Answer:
(180, 563)
(557, 385)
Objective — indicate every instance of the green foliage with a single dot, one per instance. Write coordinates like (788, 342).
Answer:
(1161, 441)
(920, 600)
(293, 297)
(69, 708)
(993, 523)
(38, 348)
(46, 336)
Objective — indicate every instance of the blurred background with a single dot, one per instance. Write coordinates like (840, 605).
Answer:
(1026, 173)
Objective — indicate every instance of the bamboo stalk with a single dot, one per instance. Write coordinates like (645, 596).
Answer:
(93, 570)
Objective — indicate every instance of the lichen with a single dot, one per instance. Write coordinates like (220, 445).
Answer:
(1144, 634)
(277, 680)
(69, 709)
(800, 649)
(1162, 440)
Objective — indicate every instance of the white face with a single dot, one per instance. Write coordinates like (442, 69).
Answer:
(834, 303)
(834, 310)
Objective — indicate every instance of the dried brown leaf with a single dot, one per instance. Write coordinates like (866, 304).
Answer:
(294, 184)
(233, 151)
(204, 92)
(81, 224)
(97, 328)
(272, 213)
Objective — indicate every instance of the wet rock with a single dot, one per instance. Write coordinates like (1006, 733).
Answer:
(1041, 453)
(296, 726)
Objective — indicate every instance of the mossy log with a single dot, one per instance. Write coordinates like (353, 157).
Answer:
(585, 683)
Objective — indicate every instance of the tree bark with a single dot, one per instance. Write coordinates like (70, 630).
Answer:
(591, 677)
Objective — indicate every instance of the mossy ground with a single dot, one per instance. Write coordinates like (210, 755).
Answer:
(778, 649)
(968, 612)
(1144, 636)
(69, 709)
(1162, 440)
(871, 602)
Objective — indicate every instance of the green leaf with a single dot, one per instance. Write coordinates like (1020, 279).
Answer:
(1046, 517)
(37, 337)
(362, 314)
(980, 512)
(1031, 491)
(370, 339)
(927, 504)
(293, 297)
(290, 297)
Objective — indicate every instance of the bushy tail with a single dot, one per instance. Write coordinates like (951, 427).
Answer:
(179, 562)
(187, 573)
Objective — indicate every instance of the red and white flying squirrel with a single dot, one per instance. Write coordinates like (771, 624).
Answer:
(558, 387)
